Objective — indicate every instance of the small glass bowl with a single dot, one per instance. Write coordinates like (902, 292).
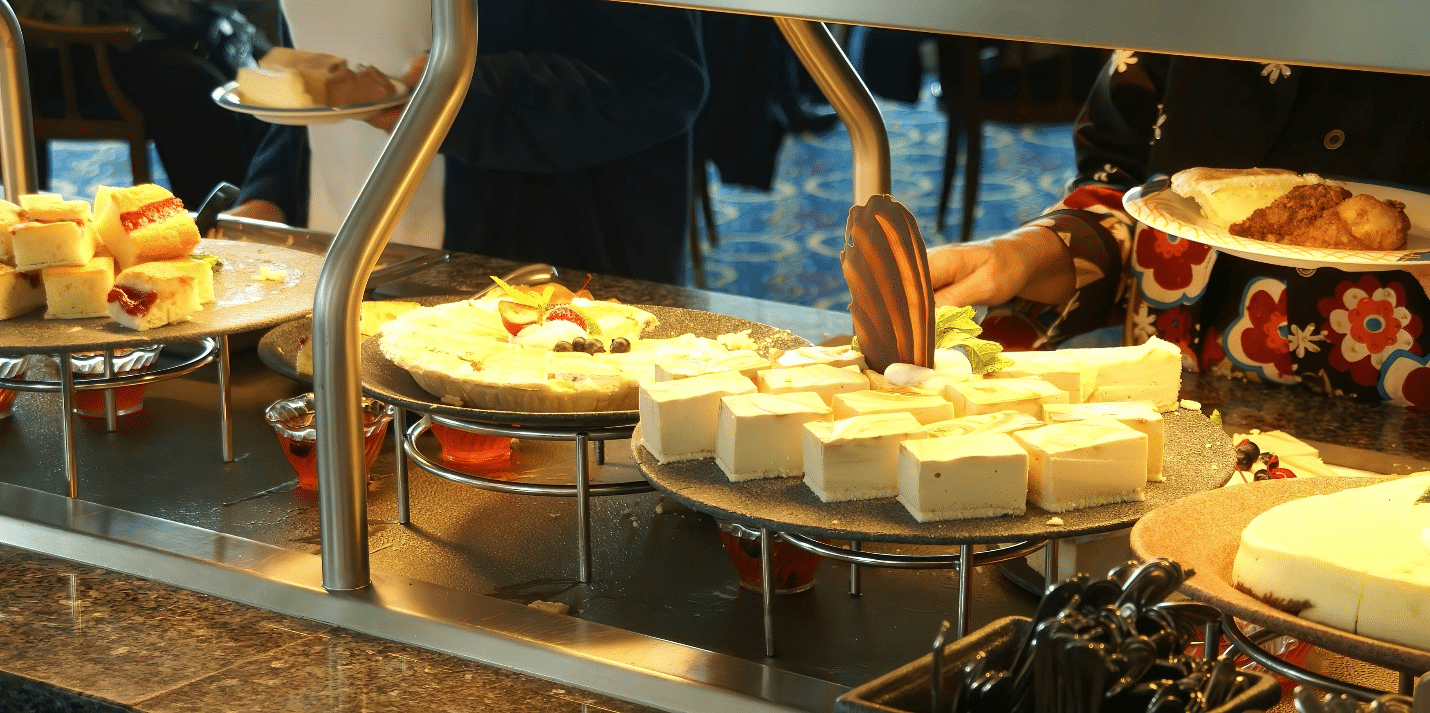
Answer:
(470, 452)
(127, 399)
(292, 420)
(11, 367)
(793, 567)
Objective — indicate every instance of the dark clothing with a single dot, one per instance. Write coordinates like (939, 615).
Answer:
(573, 143)
(1353, 334)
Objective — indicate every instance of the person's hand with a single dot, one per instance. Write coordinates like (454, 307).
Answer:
(1031, 263)
(387, 118)
(258, 209)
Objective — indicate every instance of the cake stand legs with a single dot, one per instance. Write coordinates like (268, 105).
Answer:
(767, 587)
(583, 508)
(111, 404)
(399, 469)
(67, 423)
(1211, 640)
(965, 588)
(1050, 564)
(1406, 685)
(225, 401)
(600, 452)
(854, 584)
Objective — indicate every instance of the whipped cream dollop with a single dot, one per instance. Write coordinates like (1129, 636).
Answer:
(547, 334)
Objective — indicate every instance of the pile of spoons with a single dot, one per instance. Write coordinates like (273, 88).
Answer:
(1110, 645)
(1307, 702)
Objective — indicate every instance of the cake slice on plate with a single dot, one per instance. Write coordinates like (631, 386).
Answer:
(143, 223)
(154, 294)
(20, 292)
(78, 292)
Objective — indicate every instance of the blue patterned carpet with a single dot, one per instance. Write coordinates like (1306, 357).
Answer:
(784, 245)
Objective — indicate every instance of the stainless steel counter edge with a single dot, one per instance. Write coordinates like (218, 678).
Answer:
(641, 669)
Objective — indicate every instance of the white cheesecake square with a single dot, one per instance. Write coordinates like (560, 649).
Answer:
(20, 292)
(856, 458)
(1151, 371)
(1055, 368)
(840, 356)
(1080, 464)
(760, 435)
(744, 361)
(960, 477)
(821, 379)
(40, 245)
(678, 418)
(78, 292)
(1140, 415)
(1025, 395)
(996, 422)
(927, 408)
(153, 294)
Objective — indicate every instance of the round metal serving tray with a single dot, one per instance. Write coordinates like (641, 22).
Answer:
(390, 383)
(1197, 456)
(244, 303)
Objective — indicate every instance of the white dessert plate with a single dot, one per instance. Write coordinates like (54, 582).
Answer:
(1157, 205)
(227, 97)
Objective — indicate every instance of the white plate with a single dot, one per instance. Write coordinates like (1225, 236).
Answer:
(227, 97)
(1157, 205)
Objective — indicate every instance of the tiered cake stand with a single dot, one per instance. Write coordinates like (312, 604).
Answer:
(389, 383)
(1204, 532)
(244, 302)
(1198, 457)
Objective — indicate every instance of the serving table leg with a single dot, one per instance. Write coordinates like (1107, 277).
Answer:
(855, 586)
(111, 402)
(583, 508)
(225, 401)
(1050, 564)
(67, 423)
(399, 469)
(767, 587)
(965, 588)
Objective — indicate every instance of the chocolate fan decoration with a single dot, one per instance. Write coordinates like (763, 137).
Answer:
(886, 265)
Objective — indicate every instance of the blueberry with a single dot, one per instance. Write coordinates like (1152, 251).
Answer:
(561, 347)
(620, 345)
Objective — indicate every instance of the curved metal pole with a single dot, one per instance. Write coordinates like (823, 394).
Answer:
(17, 129)
(342, 480)
(831, 70)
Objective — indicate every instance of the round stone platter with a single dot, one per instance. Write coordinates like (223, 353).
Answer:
(387, 382)
(1197, 456)
(243, 303)
(1204, 532)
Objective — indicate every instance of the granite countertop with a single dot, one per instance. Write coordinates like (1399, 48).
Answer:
(124, 643)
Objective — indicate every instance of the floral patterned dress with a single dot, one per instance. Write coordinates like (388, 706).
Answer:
(1358, 335)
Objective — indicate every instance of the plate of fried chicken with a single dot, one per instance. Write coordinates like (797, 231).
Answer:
(1284, 218)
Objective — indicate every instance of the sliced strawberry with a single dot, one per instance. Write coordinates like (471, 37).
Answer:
(568, 314)
(516, 316)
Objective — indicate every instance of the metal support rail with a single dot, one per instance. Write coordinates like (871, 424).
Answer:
(1249, 647)
(342, 483)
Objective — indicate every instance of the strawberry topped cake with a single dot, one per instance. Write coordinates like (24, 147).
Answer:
(536, 350)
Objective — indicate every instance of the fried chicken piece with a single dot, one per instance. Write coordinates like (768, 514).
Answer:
(1361, 222)
(1291, 213)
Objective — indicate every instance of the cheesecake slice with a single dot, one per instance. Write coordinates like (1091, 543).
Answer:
(78, 292)
(1080, 464)
(856, 458)
(925, 407)
(995, 422)
(960, 477)
(758, 435)
(678, 418)
(1139, 415)
(11, 215)
(40, 245)
(743, 361)
(1027, 395)
(821, 379)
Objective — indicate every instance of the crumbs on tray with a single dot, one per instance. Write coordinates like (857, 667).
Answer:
(268, 274)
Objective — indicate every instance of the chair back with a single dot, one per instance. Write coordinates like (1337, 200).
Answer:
(83, 54)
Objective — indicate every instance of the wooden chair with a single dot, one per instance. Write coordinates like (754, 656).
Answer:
(968, 98)
(82, 52)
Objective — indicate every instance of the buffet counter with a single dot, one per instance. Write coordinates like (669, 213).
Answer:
(662, 622)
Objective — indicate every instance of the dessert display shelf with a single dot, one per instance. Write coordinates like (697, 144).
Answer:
(259, 286)
(1218, 518)
(1197, 457)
